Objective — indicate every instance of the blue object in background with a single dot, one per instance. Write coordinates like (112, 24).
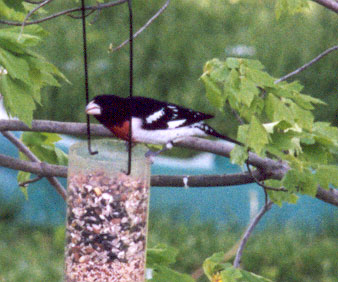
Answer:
(223, 205)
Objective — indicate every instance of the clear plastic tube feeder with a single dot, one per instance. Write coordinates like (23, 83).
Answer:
(107, 213)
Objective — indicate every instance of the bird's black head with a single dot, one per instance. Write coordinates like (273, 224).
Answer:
(109, 109)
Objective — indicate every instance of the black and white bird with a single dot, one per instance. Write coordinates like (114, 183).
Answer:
(153, 121)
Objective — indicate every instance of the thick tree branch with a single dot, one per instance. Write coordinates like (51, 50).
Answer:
(265, 172)
(69, 128)
(248, 232)
(330, 4)
(25, 150)
(41, 169)
(272, 169)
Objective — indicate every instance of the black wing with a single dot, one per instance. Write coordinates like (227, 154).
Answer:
(161, 115)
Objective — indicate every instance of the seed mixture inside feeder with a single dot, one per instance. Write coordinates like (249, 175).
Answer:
(106, 227)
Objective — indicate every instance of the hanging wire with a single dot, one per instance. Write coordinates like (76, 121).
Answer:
(130, 82)
(83, 10)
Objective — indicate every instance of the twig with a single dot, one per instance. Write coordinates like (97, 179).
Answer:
(65, 12)
(282, 189)
(25, 150)
(160, 11)
(285, 77)
(80, 17)
(33, 180)
(33, 2)
(31, 13)
(248, 232)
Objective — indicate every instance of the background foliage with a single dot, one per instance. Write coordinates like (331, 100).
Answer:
(280, 253)
(169, 60)
(169, 56)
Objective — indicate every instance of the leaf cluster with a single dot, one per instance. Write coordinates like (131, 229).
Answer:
(26, 73)
(42, 145)
(218, 271)
(278, 122)
(159, 259)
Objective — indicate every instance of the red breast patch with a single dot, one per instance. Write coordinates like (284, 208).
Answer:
(122, 131)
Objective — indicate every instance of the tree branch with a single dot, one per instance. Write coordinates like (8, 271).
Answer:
(266, 168)
(302, 68)
(29, 181)
(40, 5)
(330, 4)
(248, 232)
(25, 150)
(160, 11)
(45, 170)
(65, 12)
(272, 169)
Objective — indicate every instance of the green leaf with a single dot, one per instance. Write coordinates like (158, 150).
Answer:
(213, 92)
(260, 78)
(18, 99)
(278, 110)
(27, 72)
(213, 264)
(16, 66)
(163, 273)
(161, 254)
(43, 146)
(231, 274)
(300, 181)
(232, 63)
(315, 154)
(217, 70)
(216, 270)
(239, 155)
(158, 260)
(325, 133)
(248, 91)
(279, 197)
(257, 136)
(9, 13)
(253, 64)
(303, 117)
(326, 175)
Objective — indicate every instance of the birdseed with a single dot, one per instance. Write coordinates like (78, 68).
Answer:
(106, 228)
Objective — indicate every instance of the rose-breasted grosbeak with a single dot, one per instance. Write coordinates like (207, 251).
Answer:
(153, 121)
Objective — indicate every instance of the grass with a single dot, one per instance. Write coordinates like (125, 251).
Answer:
(282, 254)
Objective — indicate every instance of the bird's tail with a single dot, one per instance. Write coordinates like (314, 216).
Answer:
(210, 131)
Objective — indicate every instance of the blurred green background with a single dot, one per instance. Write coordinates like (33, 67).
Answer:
(170, 54)
(169, 58)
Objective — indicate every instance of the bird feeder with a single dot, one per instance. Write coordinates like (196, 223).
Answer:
(107, 213)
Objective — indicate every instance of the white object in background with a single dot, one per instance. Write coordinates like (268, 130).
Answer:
(3, 113)
(253, 195)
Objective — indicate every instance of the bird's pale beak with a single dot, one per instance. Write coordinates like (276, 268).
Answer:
(93, 109)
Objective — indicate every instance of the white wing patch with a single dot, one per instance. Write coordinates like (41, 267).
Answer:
(163, 136)
(155, 116)
(176, 123)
